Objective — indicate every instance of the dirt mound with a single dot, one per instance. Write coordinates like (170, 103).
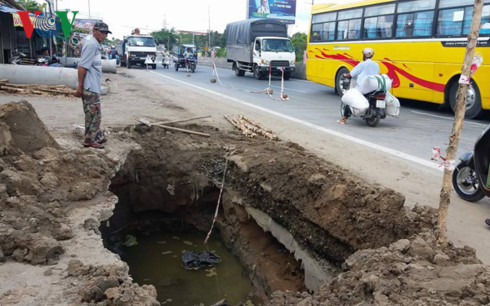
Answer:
(109, 285)
(40, 187)
(35, 192)
(411, 271)
(27, 132)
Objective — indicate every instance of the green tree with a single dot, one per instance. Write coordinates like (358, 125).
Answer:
(169, 38)
(31, 5)
(217, 39)
(299, 44)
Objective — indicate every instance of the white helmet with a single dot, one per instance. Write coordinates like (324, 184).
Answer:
(368, 52)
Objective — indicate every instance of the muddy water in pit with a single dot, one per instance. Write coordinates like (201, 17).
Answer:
(157, 260)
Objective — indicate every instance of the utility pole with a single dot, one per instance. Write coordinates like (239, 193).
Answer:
(459, 112)
(209, 28)
(89, 10)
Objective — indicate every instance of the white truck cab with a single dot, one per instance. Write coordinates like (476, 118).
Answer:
(137, 48)
(257, 45)
(276, 52)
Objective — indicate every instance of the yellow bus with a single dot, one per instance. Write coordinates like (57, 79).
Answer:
(420, 44)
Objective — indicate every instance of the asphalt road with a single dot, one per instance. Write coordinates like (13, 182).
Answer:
(420, 127)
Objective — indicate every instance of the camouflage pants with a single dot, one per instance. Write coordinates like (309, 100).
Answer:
(93, 116)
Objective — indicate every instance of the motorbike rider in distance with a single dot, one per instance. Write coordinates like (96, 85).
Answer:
(188, 55)
(362, 70)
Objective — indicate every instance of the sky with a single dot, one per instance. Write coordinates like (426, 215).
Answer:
(189, 15)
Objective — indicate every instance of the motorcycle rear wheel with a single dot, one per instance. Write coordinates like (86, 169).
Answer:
(466, 183)
(373, 121)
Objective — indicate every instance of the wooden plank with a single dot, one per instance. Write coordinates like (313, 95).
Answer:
(179, 121)
(181, 130)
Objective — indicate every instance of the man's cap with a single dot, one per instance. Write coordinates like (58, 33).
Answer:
(102, 27)
(368, 52)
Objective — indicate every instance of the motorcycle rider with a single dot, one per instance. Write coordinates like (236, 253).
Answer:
(362, 70)
(188, 55)
(113, 54)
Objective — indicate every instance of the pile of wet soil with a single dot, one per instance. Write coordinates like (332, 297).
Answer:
(413, 271)
(40, 186)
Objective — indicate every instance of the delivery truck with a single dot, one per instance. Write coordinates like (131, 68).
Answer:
(257, 45)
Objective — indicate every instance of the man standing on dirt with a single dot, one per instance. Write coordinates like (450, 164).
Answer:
(89, 83)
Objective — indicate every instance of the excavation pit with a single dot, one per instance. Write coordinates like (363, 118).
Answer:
(289, 218)
(292, 220)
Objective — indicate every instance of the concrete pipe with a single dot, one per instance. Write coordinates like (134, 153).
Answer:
(69, 62)
(109, 66)
(19, 74)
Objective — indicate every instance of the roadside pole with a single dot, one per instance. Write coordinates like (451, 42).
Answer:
(464, 84)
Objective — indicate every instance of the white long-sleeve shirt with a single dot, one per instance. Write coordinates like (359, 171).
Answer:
(362, 70)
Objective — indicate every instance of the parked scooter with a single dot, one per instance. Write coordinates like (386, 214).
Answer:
(377, 104)
(471, 176)
(44, 61)
(17, 57)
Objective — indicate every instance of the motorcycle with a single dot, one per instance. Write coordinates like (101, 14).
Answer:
(44, 61)
(377, 104)
(17, 57)
(471, 176)
(190, 64)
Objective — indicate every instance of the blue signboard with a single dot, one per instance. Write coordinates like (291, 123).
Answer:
(283, 10)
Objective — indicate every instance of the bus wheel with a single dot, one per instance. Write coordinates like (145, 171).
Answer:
(338, 88)
(473, 100)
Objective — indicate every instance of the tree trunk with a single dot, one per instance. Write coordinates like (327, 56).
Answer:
(458, 122)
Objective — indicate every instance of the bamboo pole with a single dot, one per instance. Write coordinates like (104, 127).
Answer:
(180, 121)
(250, 128)
(147, 123)
(460, 110)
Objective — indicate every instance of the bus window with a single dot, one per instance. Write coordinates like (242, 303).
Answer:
(450, 22)
(342, 30)
(379, 10)
(485, 20)
(319, 18)
(316, 32)
(323, 27)
(350, 14)
(418, 5)
(423, 24)
(378, 27)
(414, 24)
(453, 3)
(328, 31)
(349, 29)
